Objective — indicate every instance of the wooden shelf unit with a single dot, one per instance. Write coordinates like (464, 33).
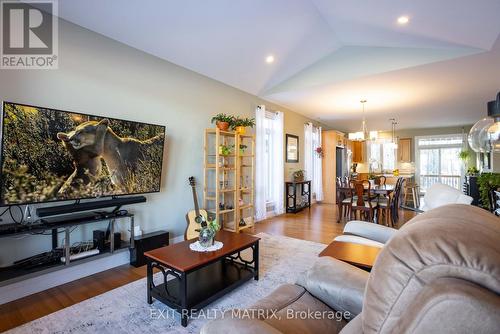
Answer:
(229, 178)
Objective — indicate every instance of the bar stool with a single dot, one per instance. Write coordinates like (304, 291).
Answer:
(412, 191)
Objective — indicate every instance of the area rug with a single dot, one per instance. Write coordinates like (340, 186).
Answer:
(124, 309)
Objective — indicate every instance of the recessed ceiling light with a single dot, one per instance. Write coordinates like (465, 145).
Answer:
(403, 20)
(270, 59)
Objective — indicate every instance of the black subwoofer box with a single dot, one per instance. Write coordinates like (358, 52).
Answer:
(99, 239)
(147, 242)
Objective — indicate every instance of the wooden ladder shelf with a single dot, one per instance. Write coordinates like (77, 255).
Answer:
(229, 179)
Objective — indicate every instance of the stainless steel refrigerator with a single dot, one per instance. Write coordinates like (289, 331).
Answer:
(341, 163)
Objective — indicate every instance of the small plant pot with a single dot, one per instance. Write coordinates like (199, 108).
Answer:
(223, 126)
(241, 130)
(298, 178)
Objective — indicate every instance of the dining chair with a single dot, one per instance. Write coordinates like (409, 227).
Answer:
(388, 205)
(343, 198)
(359, 203)
(380, 180)
(395, 204)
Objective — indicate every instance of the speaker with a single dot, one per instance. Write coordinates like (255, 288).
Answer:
(99, 239)
(85, 206)
(147, 242)
(118, 240)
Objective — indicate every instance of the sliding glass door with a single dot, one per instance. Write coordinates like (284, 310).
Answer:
(438, 162)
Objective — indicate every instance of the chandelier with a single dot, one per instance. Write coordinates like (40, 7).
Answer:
(364, 134)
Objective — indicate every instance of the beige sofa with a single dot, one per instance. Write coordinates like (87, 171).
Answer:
(439, 274)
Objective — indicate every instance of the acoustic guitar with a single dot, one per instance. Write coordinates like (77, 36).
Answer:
(196, 219)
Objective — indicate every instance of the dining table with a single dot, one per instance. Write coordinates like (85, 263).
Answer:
(345, 190)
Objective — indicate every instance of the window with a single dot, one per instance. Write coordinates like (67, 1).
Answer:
(382, 156)
(438, 162)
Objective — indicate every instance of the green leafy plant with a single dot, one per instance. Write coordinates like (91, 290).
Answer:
(487, 182)
(464, 155)
(213, 225)
(299, 174)
(224, 150)
(472, 171)
(246, 122)
(372, 176)
(221, 117)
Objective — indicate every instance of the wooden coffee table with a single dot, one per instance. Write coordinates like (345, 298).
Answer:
(361, 256)
(192, 280)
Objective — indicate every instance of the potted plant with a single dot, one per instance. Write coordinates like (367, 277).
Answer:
(487, 182)
(222, 121)
(240, 124)
(224, 150)
(243, 148)
(207, 233)
(299, 175)
(472, 171)
(371, 179)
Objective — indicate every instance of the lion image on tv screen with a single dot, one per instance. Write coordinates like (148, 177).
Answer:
(123, 156)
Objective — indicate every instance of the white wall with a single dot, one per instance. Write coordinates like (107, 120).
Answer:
(100, 76)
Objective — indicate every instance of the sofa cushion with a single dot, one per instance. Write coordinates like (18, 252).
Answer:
(441, 194)
(376, 232)
(290, 309)
(337, 284)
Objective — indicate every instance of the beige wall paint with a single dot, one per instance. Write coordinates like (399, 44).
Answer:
(100, 76)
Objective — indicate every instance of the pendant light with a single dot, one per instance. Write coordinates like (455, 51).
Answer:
(494, 129)
(394, 141)
(484, 136)
(364, 134)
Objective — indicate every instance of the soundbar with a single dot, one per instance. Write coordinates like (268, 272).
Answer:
(85, 206)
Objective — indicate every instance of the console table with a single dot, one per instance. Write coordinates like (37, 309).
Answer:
(291, 204)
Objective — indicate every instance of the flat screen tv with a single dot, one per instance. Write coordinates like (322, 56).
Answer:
(52, 155)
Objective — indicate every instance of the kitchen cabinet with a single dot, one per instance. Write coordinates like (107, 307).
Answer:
(358, 151)
(404, 150)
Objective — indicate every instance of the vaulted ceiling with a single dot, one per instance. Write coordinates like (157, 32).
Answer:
(437, 70)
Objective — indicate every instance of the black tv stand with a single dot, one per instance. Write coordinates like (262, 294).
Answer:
(56, 225)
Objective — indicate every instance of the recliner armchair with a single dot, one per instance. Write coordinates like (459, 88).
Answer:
(439, 274)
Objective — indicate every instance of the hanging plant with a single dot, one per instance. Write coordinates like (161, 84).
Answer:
(464, 155)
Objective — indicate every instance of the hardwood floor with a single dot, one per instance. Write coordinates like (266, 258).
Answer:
(319, 225)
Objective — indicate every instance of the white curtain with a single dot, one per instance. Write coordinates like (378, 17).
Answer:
(260, 163)
(269, 164)
(317, 183)
(308, 151)
(278, 165)
(312, 160)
